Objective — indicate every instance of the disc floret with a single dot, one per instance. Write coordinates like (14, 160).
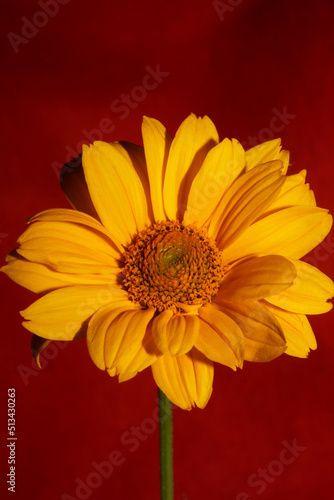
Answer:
(170, 266)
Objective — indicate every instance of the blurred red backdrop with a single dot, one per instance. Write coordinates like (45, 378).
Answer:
(260, 70)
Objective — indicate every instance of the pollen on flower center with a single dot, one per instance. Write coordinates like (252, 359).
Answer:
(171, 265)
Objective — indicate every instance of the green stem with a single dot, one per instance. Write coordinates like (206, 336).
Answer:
(166, 447)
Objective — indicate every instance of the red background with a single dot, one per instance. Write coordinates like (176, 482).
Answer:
(260, 57)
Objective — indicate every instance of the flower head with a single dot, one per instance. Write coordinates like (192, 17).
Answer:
(176, 255)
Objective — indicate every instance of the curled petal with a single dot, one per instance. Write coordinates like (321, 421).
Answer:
(175, 334)
(38, 344)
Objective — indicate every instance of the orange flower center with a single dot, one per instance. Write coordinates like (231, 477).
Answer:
(171, 265)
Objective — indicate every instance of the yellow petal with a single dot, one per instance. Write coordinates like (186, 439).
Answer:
(193, 140)
(222, 165)
(175, 334)
(115, 335)
(124, 340)
(186, 380)
(63, 314)
(74, 186)
(292, 232)
(146, 354)
(211, 342)
(157, 143)
(309, 293)
(98, 328)
(79, 218)
(227, 330)
(264, 152)
(245, 201)
(67, 247)
(297, 331)
(40, 278)
(257, 278)
(116, 190)
(136, 156)
(264, 339)
(294, 192)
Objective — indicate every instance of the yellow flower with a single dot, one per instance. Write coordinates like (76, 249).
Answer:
(177, 254)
